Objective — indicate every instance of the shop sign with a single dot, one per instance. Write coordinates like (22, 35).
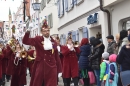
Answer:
(92, 18)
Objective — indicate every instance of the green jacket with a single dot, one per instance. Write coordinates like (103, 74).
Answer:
(102, 70)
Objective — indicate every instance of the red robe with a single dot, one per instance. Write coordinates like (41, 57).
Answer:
(70, 62)
(1, 57)
(61, 56)
(10, 61)
(19, 73)
(4, 62)
(46, 65)
(30, 63)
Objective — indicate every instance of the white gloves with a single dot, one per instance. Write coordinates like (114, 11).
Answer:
(60, 74)
(17, 54)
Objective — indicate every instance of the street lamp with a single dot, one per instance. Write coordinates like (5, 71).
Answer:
(36, 6)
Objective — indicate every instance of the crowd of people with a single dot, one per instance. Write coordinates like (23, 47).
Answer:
(86, 62)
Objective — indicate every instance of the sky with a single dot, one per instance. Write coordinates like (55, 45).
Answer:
(4, 8)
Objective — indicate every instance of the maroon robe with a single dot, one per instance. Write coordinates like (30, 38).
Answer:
(4, 62)
(70, 62)
(19, 73)
(1, 57)
(46, 65)
(30, 63)
(10, 61)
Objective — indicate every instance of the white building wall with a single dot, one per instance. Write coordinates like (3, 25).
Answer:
(84, 7)
(120, 13)
(51, 8)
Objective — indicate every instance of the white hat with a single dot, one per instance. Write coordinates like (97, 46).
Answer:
(105, 55)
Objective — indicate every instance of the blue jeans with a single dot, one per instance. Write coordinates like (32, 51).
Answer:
(97, 75)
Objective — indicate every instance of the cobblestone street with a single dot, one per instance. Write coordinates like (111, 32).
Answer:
(28, 81)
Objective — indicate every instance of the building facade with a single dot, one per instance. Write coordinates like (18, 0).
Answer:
(81, 18)
(49, 11)
(120, 14)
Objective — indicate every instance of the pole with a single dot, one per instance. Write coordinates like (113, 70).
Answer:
(24, 10)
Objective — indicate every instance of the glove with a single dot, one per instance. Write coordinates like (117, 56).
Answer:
(17, 54)
(60, 74)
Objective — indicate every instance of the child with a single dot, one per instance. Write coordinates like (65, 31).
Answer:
(113, 72)
(104, 67)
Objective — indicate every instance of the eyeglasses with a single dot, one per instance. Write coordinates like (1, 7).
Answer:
(45, 31)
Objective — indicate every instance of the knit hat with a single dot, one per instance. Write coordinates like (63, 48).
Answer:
(112, 58)
(105, 55)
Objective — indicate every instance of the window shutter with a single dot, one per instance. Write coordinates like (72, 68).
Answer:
(66, 5)
(72, 3)
(51, 20)
(95, 17)
(58, 7)
(62, 6)
(64, 39)
(74, 35)
(85, 32)
(75, 2)
(77, 35)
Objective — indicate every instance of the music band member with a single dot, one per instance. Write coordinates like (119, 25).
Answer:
(19, 69)
(70, 63)
(47, 63)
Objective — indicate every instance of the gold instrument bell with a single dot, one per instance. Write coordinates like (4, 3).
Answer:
(76, 44)
(31, 58)
(23, 54)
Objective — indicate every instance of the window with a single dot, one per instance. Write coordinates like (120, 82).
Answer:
(50, 21)
(126, 25)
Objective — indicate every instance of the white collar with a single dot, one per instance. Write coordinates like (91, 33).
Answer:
(47, 38)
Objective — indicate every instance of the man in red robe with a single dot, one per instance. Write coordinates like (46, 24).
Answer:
(47, 63)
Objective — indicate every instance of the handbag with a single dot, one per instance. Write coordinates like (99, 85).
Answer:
(91, 77)
(125, 77)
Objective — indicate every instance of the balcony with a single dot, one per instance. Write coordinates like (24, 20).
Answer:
(111, 2)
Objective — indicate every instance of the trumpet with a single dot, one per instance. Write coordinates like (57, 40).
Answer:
(76, 44)
(23, 54)
(11, 42)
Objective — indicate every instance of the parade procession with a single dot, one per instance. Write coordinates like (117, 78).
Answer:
(64, 43)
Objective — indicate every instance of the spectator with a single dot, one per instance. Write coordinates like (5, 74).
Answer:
(111, 44)
(95, 58)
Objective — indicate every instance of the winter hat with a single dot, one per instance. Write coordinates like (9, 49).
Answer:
(112, 58)
(105, 55)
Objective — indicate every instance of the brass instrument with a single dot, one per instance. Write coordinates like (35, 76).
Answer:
(23, 53)
(31, 58)
(76, 44)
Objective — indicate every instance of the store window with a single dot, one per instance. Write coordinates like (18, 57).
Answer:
(126, 25)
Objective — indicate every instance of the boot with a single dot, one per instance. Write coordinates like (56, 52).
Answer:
(66, 81)
(86, 81)
(76, 81)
